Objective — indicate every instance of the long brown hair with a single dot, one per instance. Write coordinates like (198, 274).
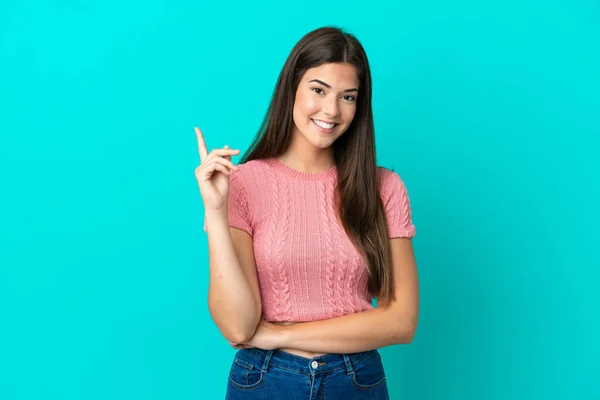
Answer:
(357, 198)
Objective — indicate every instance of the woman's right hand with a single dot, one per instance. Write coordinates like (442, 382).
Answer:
(213, 174)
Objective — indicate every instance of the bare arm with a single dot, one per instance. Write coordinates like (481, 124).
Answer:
(388, 324)
(233, 295)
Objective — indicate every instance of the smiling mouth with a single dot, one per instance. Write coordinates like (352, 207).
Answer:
(324, 125)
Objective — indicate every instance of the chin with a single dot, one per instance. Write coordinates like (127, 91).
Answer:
(322, 142)
(323, 145)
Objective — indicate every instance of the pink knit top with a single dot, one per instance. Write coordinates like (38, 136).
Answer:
(307, 267)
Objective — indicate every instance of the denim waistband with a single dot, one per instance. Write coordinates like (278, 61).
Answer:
(314, 365)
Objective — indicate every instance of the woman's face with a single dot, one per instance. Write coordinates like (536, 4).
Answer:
(325, 103)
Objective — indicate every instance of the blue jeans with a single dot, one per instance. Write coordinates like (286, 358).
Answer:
(275, 374)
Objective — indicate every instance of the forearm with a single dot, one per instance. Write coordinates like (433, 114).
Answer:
(351, 333)
(230, 299)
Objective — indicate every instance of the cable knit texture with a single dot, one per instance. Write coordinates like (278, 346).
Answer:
(307, 267)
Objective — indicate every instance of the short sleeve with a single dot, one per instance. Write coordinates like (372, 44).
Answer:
(396, 205)
(238, 209)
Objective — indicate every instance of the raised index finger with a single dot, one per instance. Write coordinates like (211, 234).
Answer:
(201, 145)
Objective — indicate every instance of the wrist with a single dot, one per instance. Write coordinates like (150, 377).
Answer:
(216, 216)
(286, 335)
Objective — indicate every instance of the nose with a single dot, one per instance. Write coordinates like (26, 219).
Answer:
(330, 107)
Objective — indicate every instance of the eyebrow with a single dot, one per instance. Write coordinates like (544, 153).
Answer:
(329, 87)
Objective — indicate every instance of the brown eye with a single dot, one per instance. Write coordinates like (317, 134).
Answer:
(317, 90)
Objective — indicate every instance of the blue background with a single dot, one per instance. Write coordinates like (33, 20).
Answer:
(489, 111)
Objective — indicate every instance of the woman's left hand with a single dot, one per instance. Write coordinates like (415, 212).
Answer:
(268, 336)
(239, 345)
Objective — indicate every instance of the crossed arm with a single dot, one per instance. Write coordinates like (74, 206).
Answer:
(388, 324)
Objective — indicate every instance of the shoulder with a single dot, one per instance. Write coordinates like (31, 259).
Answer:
(396, 204)
(254, 166)
(391, 185)
(388, 179)
(384, 173)
(250, 170)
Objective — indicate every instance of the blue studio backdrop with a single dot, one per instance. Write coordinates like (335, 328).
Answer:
(489, 111)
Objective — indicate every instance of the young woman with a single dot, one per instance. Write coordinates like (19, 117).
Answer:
(305, 232)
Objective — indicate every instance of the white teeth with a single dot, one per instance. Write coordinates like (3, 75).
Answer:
(323, 124)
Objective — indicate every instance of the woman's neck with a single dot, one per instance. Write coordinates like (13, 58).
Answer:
(304, 161)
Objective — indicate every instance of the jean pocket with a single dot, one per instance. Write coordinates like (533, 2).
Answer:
(368, 373)
(245, 375)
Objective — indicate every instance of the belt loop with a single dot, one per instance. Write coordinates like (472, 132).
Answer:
(267, 359)
(348, 363)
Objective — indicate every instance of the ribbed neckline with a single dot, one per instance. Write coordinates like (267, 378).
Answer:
(309, 176)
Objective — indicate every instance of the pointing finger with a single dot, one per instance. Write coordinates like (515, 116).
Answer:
(201, 144)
